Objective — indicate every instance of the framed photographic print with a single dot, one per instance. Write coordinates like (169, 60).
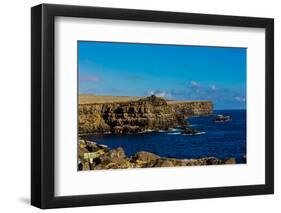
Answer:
(139, 106)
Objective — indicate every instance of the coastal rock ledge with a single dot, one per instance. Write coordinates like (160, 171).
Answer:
(93, 156)
(137, 116)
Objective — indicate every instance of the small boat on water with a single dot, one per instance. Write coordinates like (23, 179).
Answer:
(222, 118)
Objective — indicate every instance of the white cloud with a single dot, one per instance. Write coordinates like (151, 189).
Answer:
(213, 87)
(240, 99)
(158, 93)
(194, 84)
(151, 92)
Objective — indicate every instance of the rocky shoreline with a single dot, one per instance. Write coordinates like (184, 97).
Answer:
(135, 117)
(93, 156)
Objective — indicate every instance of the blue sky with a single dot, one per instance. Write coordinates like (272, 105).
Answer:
(171, 71)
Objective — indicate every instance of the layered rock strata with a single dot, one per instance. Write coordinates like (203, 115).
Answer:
(151, 113)
(192, 108)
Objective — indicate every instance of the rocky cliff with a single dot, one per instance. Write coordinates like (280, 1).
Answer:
(192, 108)
(93, 156)
(151, 113)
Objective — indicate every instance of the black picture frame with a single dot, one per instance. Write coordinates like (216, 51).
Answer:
(43, 110)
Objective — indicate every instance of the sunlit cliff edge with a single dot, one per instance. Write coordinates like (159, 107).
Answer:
(131, 115)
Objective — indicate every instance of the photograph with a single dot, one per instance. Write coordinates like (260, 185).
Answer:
(144, 105)
(139, 105)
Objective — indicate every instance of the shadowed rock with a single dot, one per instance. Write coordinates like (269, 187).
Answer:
(189, 131)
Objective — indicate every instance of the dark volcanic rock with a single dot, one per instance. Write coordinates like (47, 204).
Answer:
(189, 131)
(222, 118)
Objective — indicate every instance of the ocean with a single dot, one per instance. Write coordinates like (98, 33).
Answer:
(217, 139)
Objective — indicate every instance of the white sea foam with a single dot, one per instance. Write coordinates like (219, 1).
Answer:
(198, 133)
(192, 125)
(201, 133)
(174, 130)
(146, 131)
(174, 133)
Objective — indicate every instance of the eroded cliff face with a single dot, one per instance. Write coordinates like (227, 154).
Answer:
(151, 113)
(192, 108)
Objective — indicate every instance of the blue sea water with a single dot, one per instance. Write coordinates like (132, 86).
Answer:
(218, 139)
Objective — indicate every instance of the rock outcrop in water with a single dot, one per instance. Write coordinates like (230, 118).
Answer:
(101, 157)
(189, 131)
(151, 113)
